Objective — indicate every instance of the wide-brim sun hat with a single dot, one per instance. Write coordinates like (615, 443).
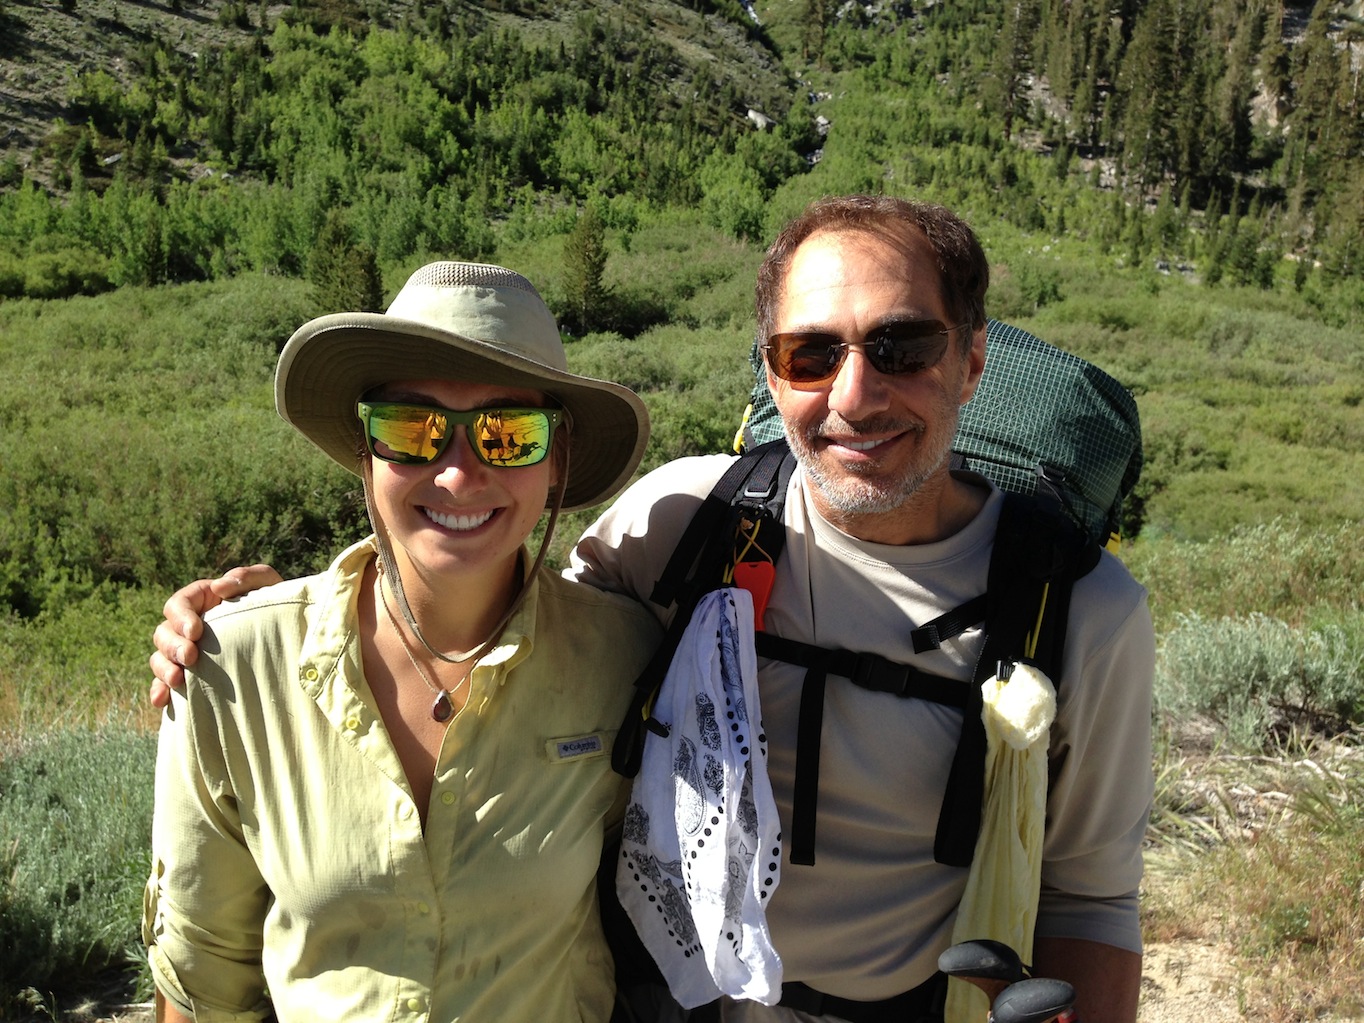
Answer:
(458, 321)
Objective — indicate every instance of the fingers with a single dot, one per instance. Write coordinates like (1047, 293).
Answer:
(166, 674)
(176, 639)
(185, 609)
(244, 579)
(173, 651)
(184, 615)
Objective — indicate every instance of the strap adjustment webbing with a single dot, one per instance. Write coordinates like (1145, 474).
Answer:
(868, 671)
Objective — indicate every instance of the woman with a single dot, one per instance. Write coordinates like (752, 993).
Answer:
(383, 792)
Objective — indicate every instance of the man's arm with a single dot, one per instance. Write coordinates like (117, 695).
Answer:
(177, 637)
(1089, 927)
(1107, 980)
(626, 549)
(168, 1013)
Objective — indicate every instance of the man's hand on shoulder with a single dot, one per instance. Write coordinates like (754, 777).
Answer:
(177, 637)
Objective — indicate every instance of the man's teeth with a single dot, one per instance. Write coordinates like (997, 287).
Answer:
(458, 521)
(862, 445)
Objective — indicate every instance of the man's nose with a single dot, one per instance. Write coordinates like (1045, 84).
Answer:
(858, 389)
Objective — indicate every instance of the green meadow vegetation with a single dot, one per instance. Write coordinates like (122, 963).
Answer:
(141, 311)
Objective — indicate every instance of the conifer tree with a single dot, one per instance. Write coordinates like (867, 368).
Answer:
(1077, 59)
(584, 266)
(1317, 74)
(1274, 65)
(343, 273)
(1013, 61)
(1164, 224)
(815, 29)
(1229, 148)
(1145, 88)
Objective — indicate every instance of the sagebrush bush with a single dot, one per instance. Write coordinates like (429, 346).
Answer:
(1286, 904)
(75, 840)
(1259, 678)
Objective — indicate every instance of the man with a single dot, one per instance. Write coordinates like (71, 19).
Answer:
(882, 536)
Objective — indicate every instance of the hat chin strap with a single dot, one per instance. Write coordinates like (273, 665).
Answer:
(388, 565)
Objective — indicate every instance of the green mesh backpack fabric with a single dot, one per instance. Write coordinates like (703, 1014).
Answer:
(1041, 420)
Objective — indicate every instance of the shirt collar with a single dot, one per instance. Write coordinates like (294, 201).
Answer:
(334, 620)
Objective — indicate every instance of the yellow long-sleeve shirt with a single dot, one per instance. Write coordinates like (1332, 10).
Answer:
(289, 856)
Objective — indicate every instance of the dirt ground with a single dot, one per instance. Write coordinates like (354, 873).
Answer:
(1187, 982)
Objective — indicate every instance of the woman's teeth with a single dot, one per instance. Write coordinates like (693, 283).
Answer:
(458, 522)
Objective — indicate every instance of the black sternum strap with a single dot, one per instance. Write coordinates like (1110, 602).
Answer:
(868, 671)
(805, 787)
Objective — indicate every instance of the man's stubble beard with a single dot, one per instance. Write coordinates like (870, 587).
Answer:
(855, 492)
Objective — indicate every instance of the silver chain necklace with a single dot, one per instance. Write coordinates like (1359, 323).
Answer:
(442, 707)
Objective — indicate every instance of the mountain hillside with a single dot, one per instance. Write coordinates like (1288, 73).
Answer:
(45, 46)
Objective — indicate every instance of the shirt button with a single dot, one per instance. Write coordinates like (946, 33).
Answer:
(447, 798)
(352, 724)
(311, 674)
(423, 908)
(414, 1004)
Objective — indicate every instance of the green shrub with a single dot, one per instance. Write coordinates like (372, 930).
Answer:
(83, 665)
(11, 173)
(181, 465)
(75, 839)
(11, 276)
(1040, 285)
(1282, 568)
(65, 273)
(1261, 680)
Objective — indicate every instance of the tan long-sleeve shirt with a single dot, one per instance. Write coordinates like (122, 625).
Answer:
(869, 918)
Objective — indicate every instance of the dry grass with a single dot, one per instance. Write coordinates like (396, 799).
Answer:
(1263, 853)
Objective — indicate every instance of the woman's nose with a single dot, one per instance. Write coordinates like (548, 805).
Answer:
(458, 462)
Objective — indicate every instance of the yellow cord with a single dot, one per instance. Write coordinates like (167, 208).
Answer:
(1030, 645)
(739, 433)
(748, 542)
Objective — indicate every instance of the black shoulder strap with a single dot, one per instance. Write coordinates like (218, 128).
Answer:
(753, 485)
(753, 479)
(1038, 554)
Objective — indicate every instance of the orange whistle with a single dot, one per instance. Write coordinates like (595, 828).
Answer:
(756, 577)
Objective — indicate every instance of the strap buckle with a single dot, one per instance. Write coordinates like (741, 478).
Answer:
(880, 675)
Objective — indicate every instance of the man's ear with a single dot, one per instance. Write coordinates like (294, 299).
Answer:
(975, 365)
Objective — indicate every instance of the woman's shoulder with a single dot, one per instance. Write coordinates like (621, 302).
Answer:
(285, 612)
(605, 638)
(598, 624)
(580, 598)
(260, 602)
(339, 577)
(269, 618)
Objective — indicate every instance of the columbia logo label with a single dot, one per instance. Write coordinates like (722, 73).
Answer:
(579, 746)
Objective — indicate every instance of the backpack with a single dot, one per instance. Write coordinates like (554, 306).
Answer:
(1042, 421)
(735, 537)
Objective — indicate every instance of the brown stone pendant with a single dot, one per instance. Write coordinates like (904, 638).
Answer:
(441, 707)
